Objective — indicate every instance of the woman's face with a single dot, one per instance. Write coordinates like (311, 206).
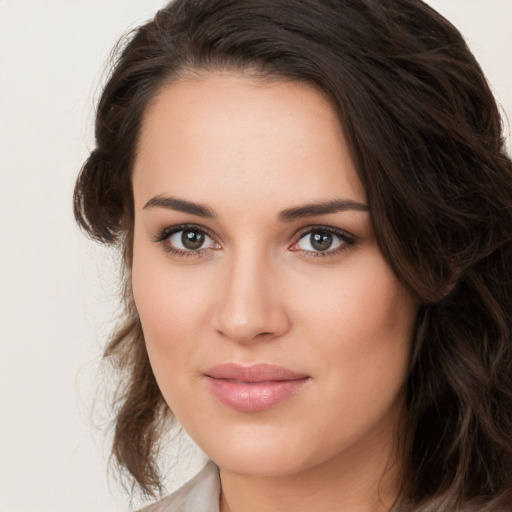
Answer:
(276, 330)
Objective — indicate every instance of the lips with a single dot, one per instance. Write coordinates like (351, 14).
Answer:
(253, 388)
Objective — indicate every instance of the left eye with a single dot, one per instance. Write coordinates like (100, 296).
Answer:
(320, 241)
(190, 240)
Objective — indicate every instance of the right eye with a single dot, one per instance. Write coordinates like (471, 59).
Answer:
(189, 240)
(186, 240)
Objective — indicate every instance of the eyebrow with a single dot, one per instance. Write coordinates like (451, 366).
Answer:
(323, 208)
(288, 215)
(180, 205)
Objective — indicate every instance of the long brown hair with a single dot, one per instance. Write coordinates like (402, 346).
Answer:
(425, 135)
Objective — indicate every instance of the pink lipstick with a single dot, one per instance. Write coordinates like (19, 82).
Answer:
(253, 388)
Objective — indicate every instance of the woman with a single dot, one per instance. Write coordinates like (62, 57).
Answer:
(315, 211)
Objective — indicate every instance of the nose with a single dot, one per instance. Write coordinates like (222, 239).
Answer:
(251, 306)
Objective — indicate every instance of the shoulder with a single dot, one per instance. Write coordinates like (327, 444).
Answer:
(199, 494)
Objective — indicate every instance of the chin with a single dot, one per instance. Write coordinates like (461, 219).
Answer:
(262, 465)
(261, 454)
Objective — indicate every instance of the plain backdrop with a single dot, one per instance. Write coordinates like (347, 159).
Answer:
(58, 291)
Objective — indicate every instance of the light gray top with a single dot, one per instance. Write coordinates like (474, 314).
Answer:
(201, 494)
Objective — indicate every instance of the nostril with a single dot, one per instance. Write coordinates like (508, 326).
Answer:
(263, 334)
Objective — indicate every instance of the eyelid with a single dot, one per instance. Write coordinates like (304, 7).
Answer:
(348, 240)
(330, 229)
(164, 234)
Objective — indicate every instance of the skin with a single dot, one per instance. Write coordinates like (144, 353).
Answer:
(259, 292)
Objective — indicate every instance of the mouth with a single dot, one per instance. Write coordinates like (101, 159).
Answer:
(253, 388)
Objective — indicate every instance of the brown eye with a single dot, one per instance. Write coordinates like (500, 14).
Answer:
(320, 240)
(192, 240)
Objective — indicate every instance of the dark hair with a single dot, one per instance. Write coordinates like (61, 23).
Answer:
(425, 135)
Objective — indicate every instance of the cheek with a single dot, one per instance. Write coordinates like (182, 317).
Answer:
(167, 304)
(380, 310)
(364, 302)
(363, 323)
(167, 298)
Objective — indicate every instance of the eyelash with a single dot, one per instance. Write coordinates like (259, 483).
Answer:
(164, 235)
(345, 238)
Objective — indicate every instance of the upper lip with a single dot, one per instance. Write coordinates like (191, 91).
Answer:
(262, 372)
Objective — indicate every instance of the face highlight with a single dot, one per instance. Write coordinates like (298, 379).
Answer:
(277, 332)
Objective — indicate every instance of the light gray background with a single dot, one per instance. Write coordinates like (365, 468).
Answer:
(58, 290)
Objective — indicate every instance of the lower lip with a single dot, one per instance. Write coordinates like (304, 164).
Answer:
(254, 396)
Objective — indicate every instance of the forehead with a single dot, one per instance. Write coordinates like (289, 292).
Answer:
(231, 134)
